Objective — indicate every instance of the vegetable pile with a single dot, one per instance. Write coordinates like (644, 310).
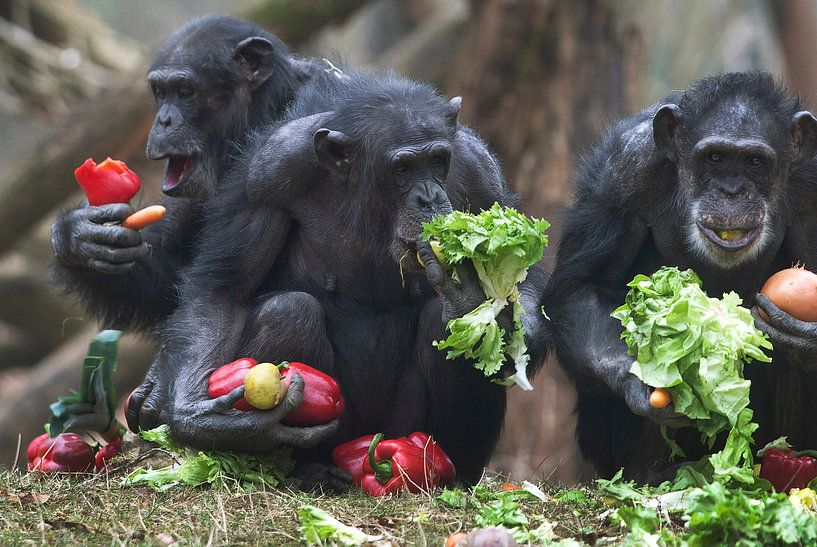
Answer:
(692, 345)
(82, 433)
(502, 244)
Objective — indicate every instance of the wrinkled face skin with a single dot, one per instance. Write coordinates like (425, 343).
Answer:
(733, 167)
(417, 174)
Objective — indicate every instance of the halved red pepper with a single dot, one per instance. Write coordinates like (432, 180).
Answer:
(415, 463)
(322, 402)
(106, 453)
(66, 453)
(787, 469)
(109, 182)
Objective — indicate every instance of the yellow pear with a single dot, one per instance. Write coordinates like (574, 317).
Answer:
(264, 386)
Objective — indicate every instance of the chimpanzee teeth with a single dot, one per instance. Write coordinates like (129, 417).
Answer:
(730, 235)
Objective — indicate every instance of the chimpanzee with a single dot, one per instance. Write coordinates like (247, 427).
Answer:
(714, 178)
(214, 81)
(359, 165)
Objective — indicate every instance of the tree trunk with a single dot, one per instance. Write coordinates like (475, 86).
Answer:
(539, 79)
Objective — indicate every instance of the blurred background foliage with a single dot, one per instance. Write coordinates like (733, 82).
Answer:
(540, 79)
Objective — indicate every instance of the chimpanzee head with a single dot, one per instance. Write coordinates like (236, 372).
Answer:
(213, 80)
(734, 139)
(389, 142)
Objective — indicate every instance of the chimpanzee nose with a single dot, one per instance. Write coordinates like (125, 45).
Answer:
(429, 195)
(731, 187)
(164, 121)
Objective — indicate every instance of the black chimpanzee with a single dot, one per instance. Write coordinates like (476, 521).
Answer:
(714, 178)
(358, 167)
(214, 81)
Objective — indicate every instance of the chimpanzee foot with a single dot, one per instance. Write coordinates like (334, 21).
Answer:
(320, 477)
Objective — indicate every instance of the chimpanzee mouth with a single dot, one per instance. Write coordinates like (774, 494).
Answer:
(730, 238)
(177, 168)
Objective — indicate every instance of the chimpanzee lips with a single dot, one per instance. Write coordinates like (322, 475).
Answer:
(177, 167)
(730, 238)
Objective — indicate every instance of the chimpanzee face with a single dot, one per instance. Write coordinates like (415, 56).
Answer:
(733, 163)
(203, 99)
(398, 169)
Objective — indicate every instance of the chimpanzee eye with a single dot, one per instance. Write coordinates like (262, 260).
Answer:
(401, 167)
(159, 92)
(185, 92)
(754, 161)
(713, 157)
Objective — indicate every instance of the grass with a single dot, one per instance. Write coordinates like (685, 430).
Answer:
(101, 510)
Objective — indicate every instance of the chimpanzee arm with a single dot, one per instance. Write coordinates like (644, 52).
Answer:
(601, 241)
(124, 278)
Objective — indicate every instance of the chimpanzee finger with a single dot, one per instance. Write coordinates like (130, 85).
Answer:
(151, 411)
(304, 437)
(435, 273)
(226, 402)
(113, 236)
(781, 320)
(113, 255)
(292, 400)
(111, 212)
(135, 401)
(781, 339)
(107, 268)
(467, 274)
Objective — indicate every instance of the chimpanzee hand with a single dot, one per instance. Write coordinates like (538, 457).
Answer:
(80, 237)
(215, 423)
(796, 339)
(637, 396)
(458, 299)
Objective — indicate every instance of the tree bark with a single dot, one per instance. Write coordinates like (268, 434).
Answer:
(539, 80)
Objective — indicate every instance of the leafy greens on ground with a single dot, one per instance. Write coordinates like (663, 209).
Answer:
(195, 467)
(502, 244)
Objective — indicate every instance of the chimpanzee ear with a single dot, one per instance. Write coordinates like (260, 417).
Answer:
(255, 55)
(664, 125)
(804, 136)
(453, 110)
(332, 150)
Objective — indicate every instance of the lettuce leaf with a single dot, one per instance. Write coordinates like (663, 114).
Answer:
(195, 468)
(693, 345)
(502, 244)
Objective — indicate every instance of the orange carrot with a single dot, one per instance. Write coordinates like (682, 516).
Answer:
(143, 217)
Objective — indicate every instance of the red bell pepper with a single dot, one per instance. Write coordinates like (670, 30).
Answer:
(106, 453)
(228, 377)
(322, 402)
(415, 463)
(350, 456)
(109, 182)
(787, 469)
(67, 452)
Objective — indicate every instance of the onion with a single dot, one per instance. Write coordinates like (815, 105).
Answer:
(794, 291)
